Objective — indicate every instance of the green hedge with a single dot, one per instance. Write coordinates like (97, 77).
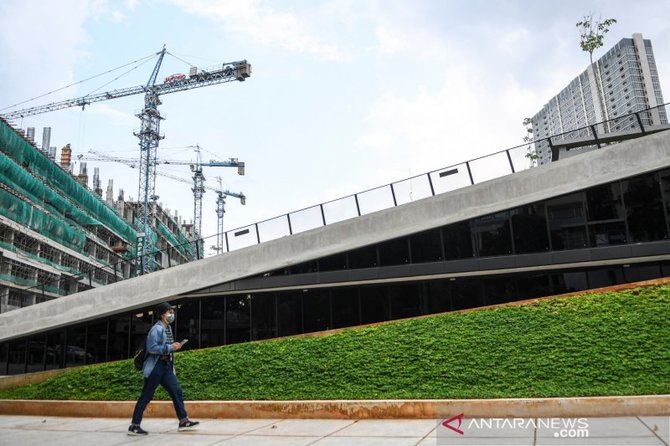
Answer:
(597, 344)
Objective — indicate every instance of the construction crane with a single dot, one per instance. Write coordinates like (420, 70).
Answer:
(198, 185)
(221, 194)
(149, 133)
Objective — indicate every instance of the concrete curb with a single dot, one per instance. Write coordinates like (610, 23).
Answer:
(609, 406)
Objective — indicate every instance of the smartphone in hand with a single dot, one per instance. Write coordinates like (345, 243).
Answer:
(183, 342)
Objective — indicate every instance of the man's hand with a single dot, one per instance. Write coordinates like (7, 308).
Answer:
(176, 346)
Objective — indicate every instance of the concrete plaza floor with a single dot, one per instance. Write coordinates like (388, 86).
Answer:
(23, 430)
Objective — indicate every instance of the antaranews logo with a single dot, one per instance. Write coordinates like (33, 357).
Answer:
(457, 429)
(492, 427)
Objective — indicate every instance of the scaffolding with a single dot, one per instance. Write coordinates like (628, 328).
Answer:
(57, 237)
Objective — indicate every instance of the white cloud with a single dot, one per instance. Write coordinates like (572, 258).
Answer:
(264, 25)
(390, 41)
(460, 119)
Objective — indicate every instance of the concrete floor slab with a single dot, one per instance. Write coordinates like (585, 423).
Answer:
(601, 441)
(8, 421)
(33, 430)
(612, 427)
(181, 439)
(478, 441)
(233, 426)
(370, 441)
(659, 425)
(388, 428)
(266, 440)
(320, 428)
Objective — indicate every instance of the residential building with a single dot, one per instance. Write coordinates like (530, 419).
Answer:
(623, 81)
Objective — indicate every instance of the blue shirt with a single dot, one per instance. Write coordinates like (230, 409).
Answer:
(157, 346)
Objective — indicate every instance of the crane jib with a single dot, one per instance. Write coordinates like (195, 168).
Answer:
(238, 71)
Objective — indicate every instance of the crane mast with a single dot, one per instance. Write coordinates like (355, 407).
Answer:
(149, 136)
(220, 211)
(198, 189)
(149, 133)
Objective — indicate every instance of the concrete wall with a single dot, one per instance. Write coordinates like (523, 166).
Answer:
(601, 166)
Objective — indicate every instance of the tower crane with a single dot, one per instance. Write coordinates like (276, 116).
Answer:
(149, 133)
(221, 194)
(198, 186)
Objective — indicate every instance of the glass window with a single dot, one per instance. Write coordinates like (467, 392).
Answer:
(604, 202)
(96, 345)
(363, 257)
(4, 350)
(567, 222)
(36, 352)
(665, 185)
(406, 300)
(374, 304)
(498, 290)
(75, 352)
(303, 268)
(604, 277)
(466, 293)
(187, 324)
(569, 282)
(345, 307)
(55, 357)
(638, 273)
(119, 330)
(529, 225)
(438, 296)
(606, 234)
(532, 286)
(394, 252)
(335, 262)
(17, 357)
(238, 327)
(289, 313)
(492, 234)
(426, 246)
(457, 241)
(141, 322)
(316, 310)
(645, 217)
(213, 327)
(263, 316)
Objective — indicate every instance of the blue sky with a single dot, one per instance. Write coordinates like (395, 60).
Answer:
(345, 95)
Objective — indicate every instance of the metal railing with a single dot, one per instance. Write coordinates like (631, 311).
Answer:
(474, 171)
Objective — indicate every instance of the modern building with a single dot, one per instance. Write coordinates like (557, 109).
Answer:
(57, 236)
(623, 81)
(598, 219)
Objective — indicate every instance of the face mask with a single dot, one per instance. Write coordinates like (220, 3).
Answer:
(170, 318)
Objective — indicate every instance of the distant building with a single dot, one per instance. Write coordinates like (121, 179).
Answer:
(627, 79)
(59, 237)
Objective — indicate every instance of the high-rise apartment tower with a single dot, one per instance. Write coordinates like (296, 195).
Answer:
(623, 81)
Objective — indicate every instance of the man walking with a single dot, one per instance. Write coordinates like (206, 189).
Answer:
(159, 369)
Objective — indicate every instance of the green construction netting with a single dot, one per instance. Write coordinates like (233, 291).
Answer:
(31, 283)
(24, 183)
(184, 249)
(40, 166)
(10, 247)
(48, 225)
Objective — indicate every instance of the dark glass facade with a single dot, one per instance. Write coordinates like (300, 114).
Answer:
(620, 214)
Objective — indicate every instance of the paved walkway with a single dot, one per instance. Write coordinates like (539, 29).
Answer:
(53, 431)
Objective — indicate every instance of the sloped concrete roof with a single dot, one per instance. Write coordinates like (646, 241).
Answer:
(615, 162)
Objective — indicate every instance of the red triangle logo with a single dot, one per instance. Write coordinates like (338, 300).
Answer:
(456, 429)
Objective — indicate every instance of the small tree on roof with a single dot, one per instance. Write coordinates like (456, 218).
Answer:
(592, 33)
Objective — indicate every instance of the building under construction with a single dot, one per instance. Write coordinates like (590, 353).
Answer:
(58, 236)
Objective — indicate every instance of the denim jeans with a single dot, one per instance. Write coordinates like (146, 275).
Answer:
(162, 374)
